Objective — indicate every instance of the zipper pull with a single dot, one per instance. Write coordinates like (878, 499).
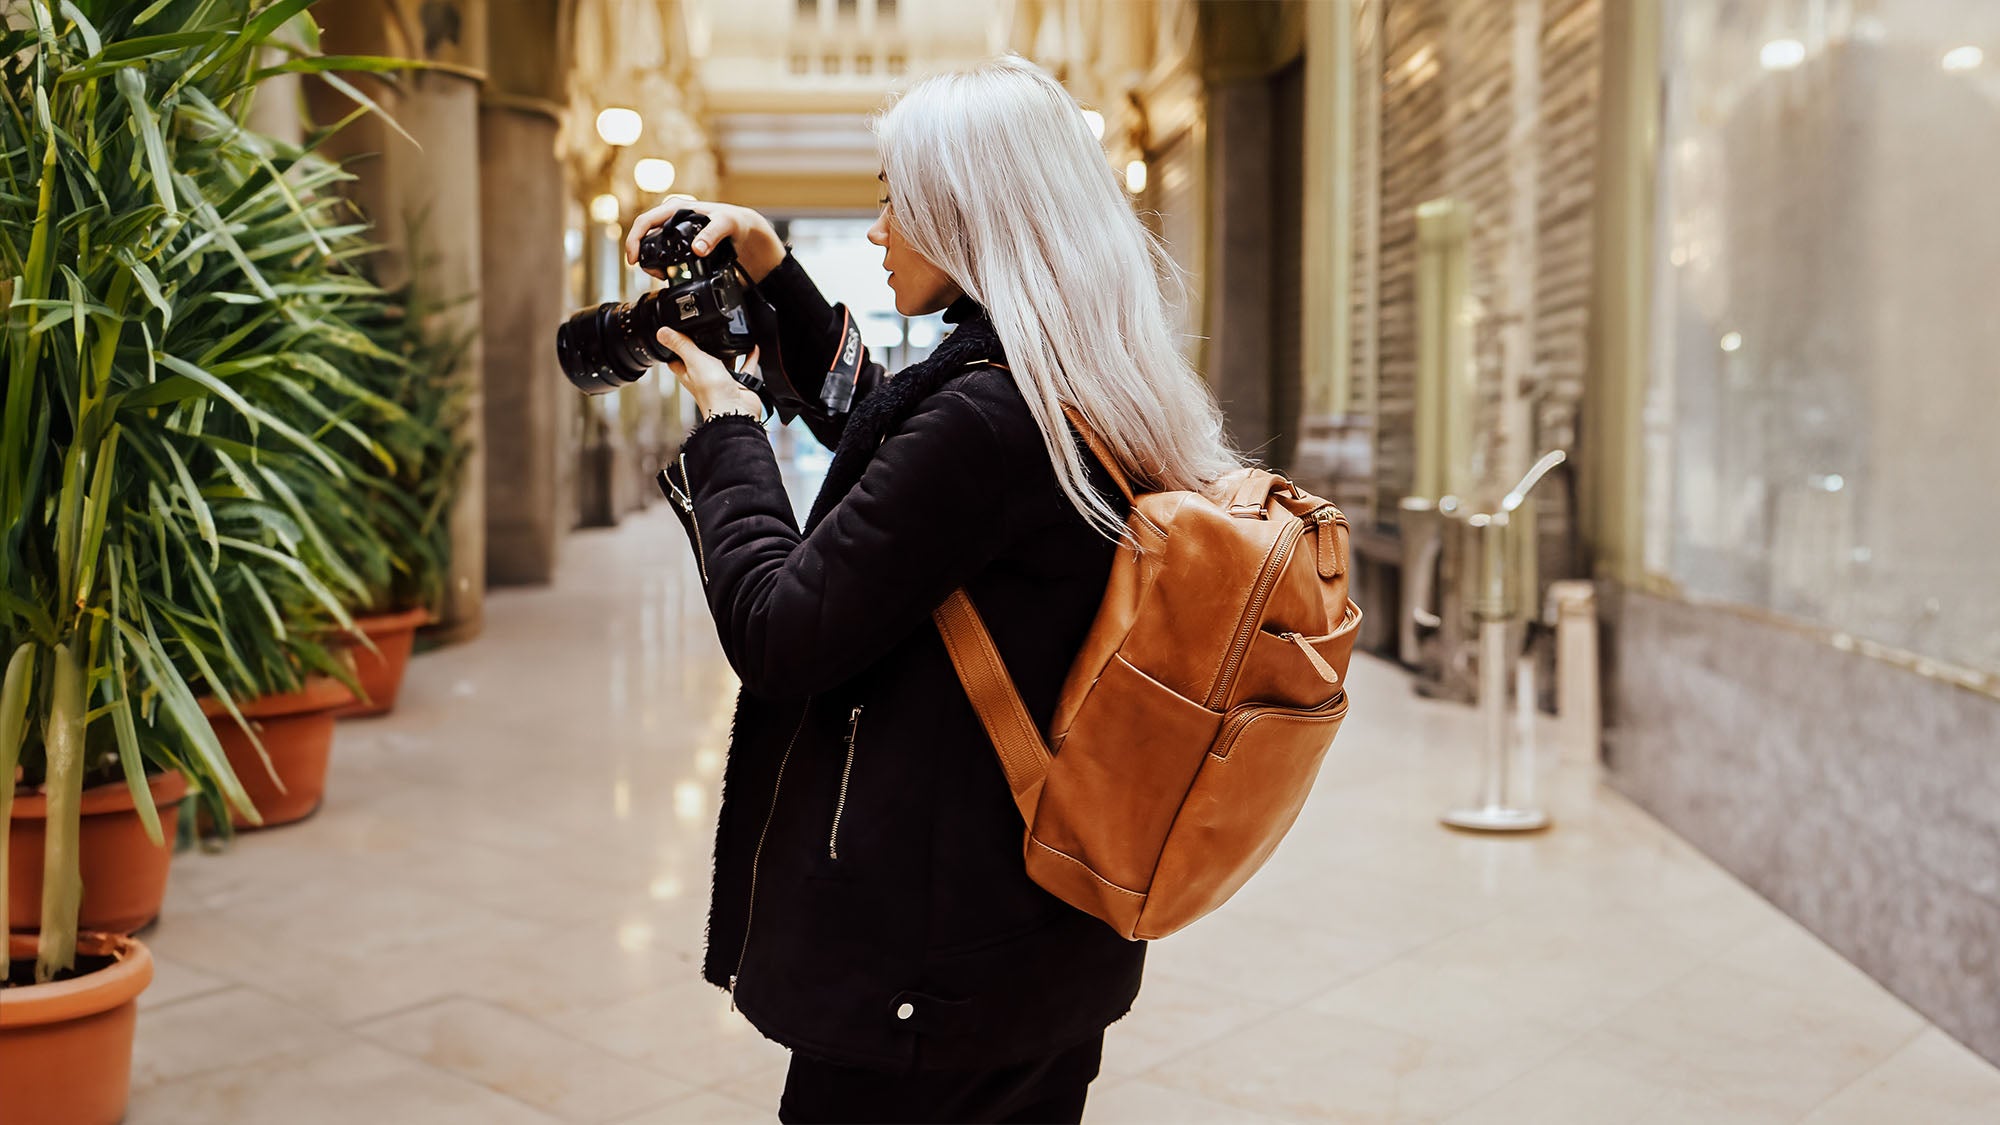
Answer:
(853, 726)
(1319, 663)
(732, 992)
(1326, 522)
(673, 491)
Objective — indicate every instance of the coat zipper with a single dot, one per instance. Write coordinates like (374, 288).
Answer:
(687, 505)
(757, 857)
(846, 774)
(1254, 612)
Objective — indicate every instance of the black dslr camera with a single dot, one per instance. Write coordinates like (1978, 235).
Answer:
(611, 346)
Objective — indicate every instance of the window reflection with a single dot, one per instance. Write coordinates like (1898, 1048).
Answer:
(1824, 409)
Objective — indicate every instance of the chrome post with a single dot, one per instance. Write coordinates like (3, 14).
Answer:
(1496, 609)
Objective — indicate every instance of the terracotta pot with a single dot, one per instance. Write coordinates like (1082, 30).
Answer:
(297, 732)
(381, 672)
(124, 873)
(68, 1044)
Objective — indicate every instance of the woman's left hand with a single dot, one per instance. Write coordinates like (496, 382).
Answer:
(708, 379)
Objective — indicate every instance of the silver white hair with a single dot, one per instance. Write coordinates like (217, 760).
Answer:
(995, 177)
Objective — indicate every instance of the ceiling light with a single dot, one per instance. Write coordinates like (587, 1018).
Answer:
(604, 209)
(1095, 120)
(1782, 54)
(655, 176)
(1963, 58)
(619, 126)
(1135, 177)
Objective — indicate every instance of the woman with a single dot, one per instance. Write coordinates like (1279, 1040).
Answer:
(870, 908)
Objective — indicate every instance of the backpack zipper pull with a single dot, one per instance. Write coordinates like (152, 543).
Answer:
(1319, 663)
(1325, 520)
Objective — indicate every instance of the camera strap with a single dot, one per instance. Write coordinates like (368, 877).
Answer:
(837, 392)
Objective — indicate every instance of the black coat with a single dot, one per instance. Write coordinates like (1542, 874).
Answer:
(870, 904)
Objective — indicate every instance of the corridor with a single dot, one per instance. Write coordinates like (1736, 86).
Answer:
(497, 918)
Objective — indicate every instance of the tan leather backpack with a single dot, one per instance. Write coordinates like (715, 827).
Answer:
(1195, 716)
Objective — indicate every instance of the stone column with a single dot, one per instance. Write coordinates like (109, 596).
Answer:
(521, 203)
(424, 200)
(1240, 237)
(1613, 442)
(274, 109)
(1325, 453)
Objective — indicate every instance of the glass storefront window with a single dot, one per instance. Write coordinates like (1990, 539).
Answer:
(1823, 422)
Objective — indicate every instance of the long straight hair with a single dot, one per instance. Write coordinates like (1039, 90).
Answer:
(997, 179)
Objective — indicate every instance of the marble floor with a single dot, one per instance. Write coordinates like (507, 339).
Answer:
(497, 918)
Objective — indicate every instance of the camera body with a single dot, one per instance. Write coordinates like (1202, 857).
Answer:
(612, 345)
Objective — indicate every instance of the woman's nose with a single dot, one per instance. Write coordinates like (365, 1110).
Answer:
(877, 235)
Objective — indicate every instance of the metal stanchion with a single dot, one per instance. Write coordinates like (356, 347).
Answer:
(1506, 802)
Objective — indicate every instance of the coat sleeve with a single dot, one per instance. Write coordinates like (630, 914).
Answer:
(810, 335)
(799, 614)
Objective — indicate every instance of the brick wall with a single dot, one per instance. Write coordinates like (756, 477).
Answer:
(1440, 103)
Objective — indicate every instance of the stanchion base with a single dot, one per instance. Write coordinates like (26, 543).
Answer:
(1496, 818)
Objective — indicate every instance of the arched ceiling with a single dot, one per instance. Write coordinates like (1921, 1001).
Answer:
(763, 102)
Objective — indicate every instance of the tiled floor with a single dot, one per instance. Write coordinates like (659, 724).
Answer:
(497, 917)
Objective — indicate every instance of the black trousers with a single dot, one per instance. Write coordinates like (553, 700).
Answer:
(1040, 1091)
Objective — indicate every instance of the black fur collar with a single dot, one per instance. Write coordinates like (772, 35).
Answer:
(894, 399)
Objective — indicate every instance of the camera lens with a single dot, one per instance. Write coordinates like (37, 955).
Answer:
(600, 351)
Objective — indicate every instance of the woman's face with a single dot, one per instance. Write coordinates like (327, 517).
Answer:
(920, 287)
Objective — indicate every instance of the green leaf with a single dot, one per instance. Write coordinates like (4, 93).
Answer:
(366, 103)
(148, 284)
(129, 755)
(14, 692)
(305, 576)
(254, 415)
(153, 10)
(186, 713)
(263, 597)
(132, 87)
(204, 520)
(91, 42)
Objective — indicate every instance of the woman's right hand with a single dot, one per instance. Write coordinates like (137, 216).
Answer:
(758, 248)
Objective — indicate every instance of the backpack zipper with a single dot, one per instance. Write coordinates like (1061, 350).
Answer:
(846, 774)
(1253, 613)
(1243, 717)
(757, 858)
(686, 504)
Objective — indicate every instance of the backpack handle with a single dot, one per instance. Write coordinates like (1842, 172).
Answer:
(1024, 757)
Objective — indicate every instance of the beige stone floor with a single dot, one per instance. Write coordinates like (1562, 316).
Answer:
(497, 918)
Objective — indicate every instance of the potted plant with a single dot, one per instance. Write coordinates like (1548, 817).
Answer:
(354, 369)
(264, 653)
(125, 562)
(411, 478)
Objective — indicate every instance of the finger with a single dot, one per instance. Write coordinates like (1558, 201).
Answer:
(721, 225)
(654, 216)
(680, 344)
(647, 220)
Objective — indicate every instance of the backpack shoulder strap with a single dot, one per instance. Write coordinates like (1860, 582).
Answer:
(1024, 757)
